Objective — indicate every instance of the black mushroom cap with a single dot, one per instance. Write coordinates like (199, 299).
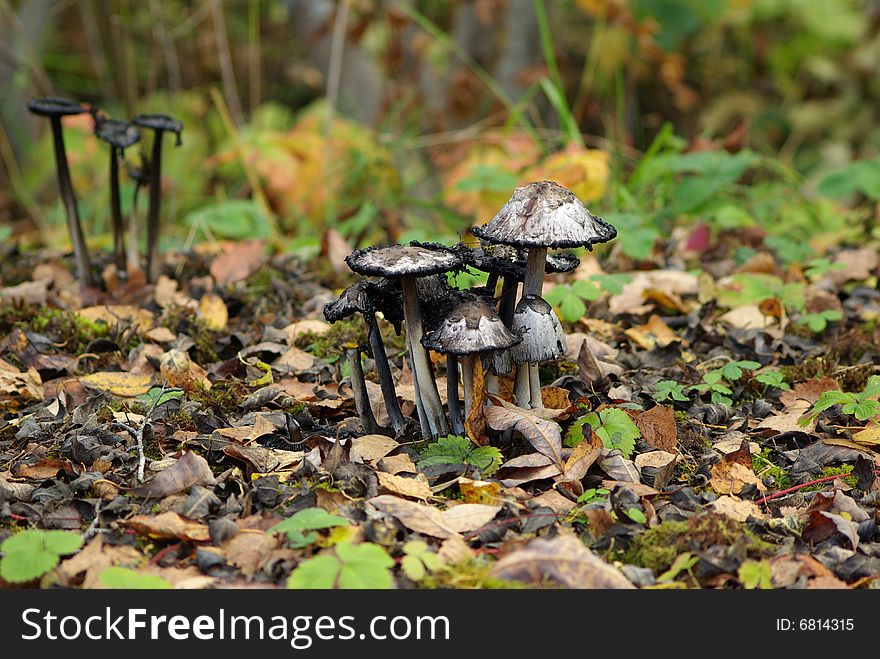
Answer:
(508, 261)
(160, 122)
(120, 134)
(367, 297)
(544, 214)
(471, 327)
(542, 336)
(54, 107)
(413, 260)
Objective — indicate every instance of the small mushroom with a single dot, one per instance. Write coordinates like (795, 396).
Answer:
(119, 135)
(159, 124)
(407, 263)
(359, 390)
(542, 340)
(366, 298)
(472, 328)
(55, 109)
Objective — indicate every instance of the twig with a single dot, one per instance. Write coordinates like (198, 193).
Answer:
(795, 488)
(93, 527)
(139, 433)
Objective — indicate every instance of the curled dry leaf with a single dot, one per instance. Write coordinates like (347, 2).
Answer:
(543, 434)
(415, 516)
(415, 488)
(27, 385)
(189, 469)
(238, 261)
(563, 559)
(118, 383)
(736, 508)
(466, 517)
(93, 559)
(657, 426)
(369, 448)
(168, 526)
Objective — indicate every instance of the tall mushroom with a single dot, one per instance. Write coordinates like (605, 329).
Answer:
(539, 216)
(408, 263)
(55, 109)
(119, 135)
(366, 298)
(542, 340)
(470, 329)
(159, 124)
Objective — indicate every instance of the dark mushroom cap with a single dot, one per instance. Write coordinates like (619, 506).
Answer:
(412, 260)
(542, 336)
(120, 134)
(509, 261)
(470, 327)
(158, 122)
(367, 297)
(545, 214)
(54, 107)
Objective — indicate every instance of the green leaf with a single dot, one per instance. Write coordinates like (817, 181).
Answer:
(366, 565)
(593, 495)
(32, 553)
(636, 515)
(491, 178)
(669, 389)
(635, 234)
(863, 410)
(733, 371)
(773, 379)
(454, 449)
(755, 574)
(309, 519)
(418, 560)
(611, 284)
(586, 290)
(872, 388)
(235, 219)
(615, 428)
(572, 309)
(123, 578)
(683, 562)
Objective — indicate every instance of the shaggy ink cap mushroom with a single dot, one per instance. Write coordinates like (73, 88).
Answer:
(507, 261)
(408, 263)
(54, 109)
(159, 123)
(544, 214)
(471, 327)
(119, 135)
(542, 336)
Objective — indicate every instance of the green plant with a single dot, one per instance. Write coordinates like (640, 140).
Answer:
(665, 389)
(818, 321)
(570, 298)
(773, 379)
(301, 527)
(857, 404)
(347, 566)
(715, 381)
(755, 574)
(455, 449)
(123, 578)
(816, 268)
(418, 560)
(594, 495)
(612, 425)
(684, 562)
(32, 553)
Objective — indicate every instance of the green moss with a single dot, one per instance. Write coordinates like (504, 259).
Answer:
(328, 345)
(471, 574)
(812, 367)
(840, 470)
(656, 548)
(764, 467)
(182, 321)
(223, 397)
(69, 330)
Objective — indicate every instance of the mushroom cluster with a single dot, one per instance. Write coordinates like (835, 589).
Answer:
(513, 329)
(119, 135)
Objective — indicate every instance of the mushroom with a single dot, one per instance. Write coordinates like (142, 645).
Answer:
(366, 298)
(159, 124)
(539, 216)
(119, 135)
(542, 340)
(470, 329)
(54, 109)
(359, 389)
(407, 263)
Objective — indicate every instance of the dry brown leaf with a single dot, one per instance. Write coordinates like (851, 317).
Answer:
(582, 458)
(160, 335)
(786, 422)
(188, 470)
(730, 477)
(593, 370)
(554, 501)
(473, 491)
(294, 330)
(466, 517)
(555, 398)
(27, 385)
(454, 550)
(166, 295)
(517, 477)
(112, 315)
(563, 559)
(118, 383)
(397, 464)
(543, 434)
(657, 426)
(858, 265)
(736, 508)
(93, 559)
(334, 249)
(179, 370)
(260, 459)
(414, 488)
(293, 361)
(369, 448)
(415, 516)
(748, 316)
(669, 282)
(248, 550)
(28, 292)
(166, 526)
(12, 489)
(212, 309)
(653, 333)
(45, 468)
(796, 570)
(238, 261)
(803, 394)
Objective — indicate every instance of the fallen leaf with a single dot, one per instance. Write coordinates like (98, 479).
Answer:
(212, 310)
(238, 261)
(334, 249)
(188, 470)
(555, 398)
(454, 550)
(791, 570)
(29, 292)
(475, 423)
(179, 370)
(370, 448)
(294, 330)
(160, 335)
(527, 474)
(543, 434)
(167, 526)
(415, 516)
(249, 550)
(803, 394)
(748, 316)
(671, 282)
(619, 468)
(27, 384)
(736, 508)
(821, 525)
(118, 383)
(397, 464)
(466, 517)
(43, 469)
(415, 488)
(262, 460)
(657, 426)
(166, 295)
(653, 333)
(582, 458)
(563, 559)
(730, 477)
(93, 559)
(293, 361)
(554, 501)
(474, 491)
(593, 370)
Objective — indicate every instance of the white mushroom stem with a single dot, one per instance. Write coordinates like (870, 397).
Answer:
(455, 418)
(467, 377)
(522, 392)
(427, 388)
(532, 285)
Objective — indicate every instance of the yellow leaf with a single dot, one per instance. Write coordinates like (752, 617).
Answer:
(118, 384)
(212, 310)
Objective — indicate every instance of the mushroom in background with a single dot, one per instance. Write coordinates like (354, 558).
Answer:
(119, 135)
(55, 109)
(159, 124)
